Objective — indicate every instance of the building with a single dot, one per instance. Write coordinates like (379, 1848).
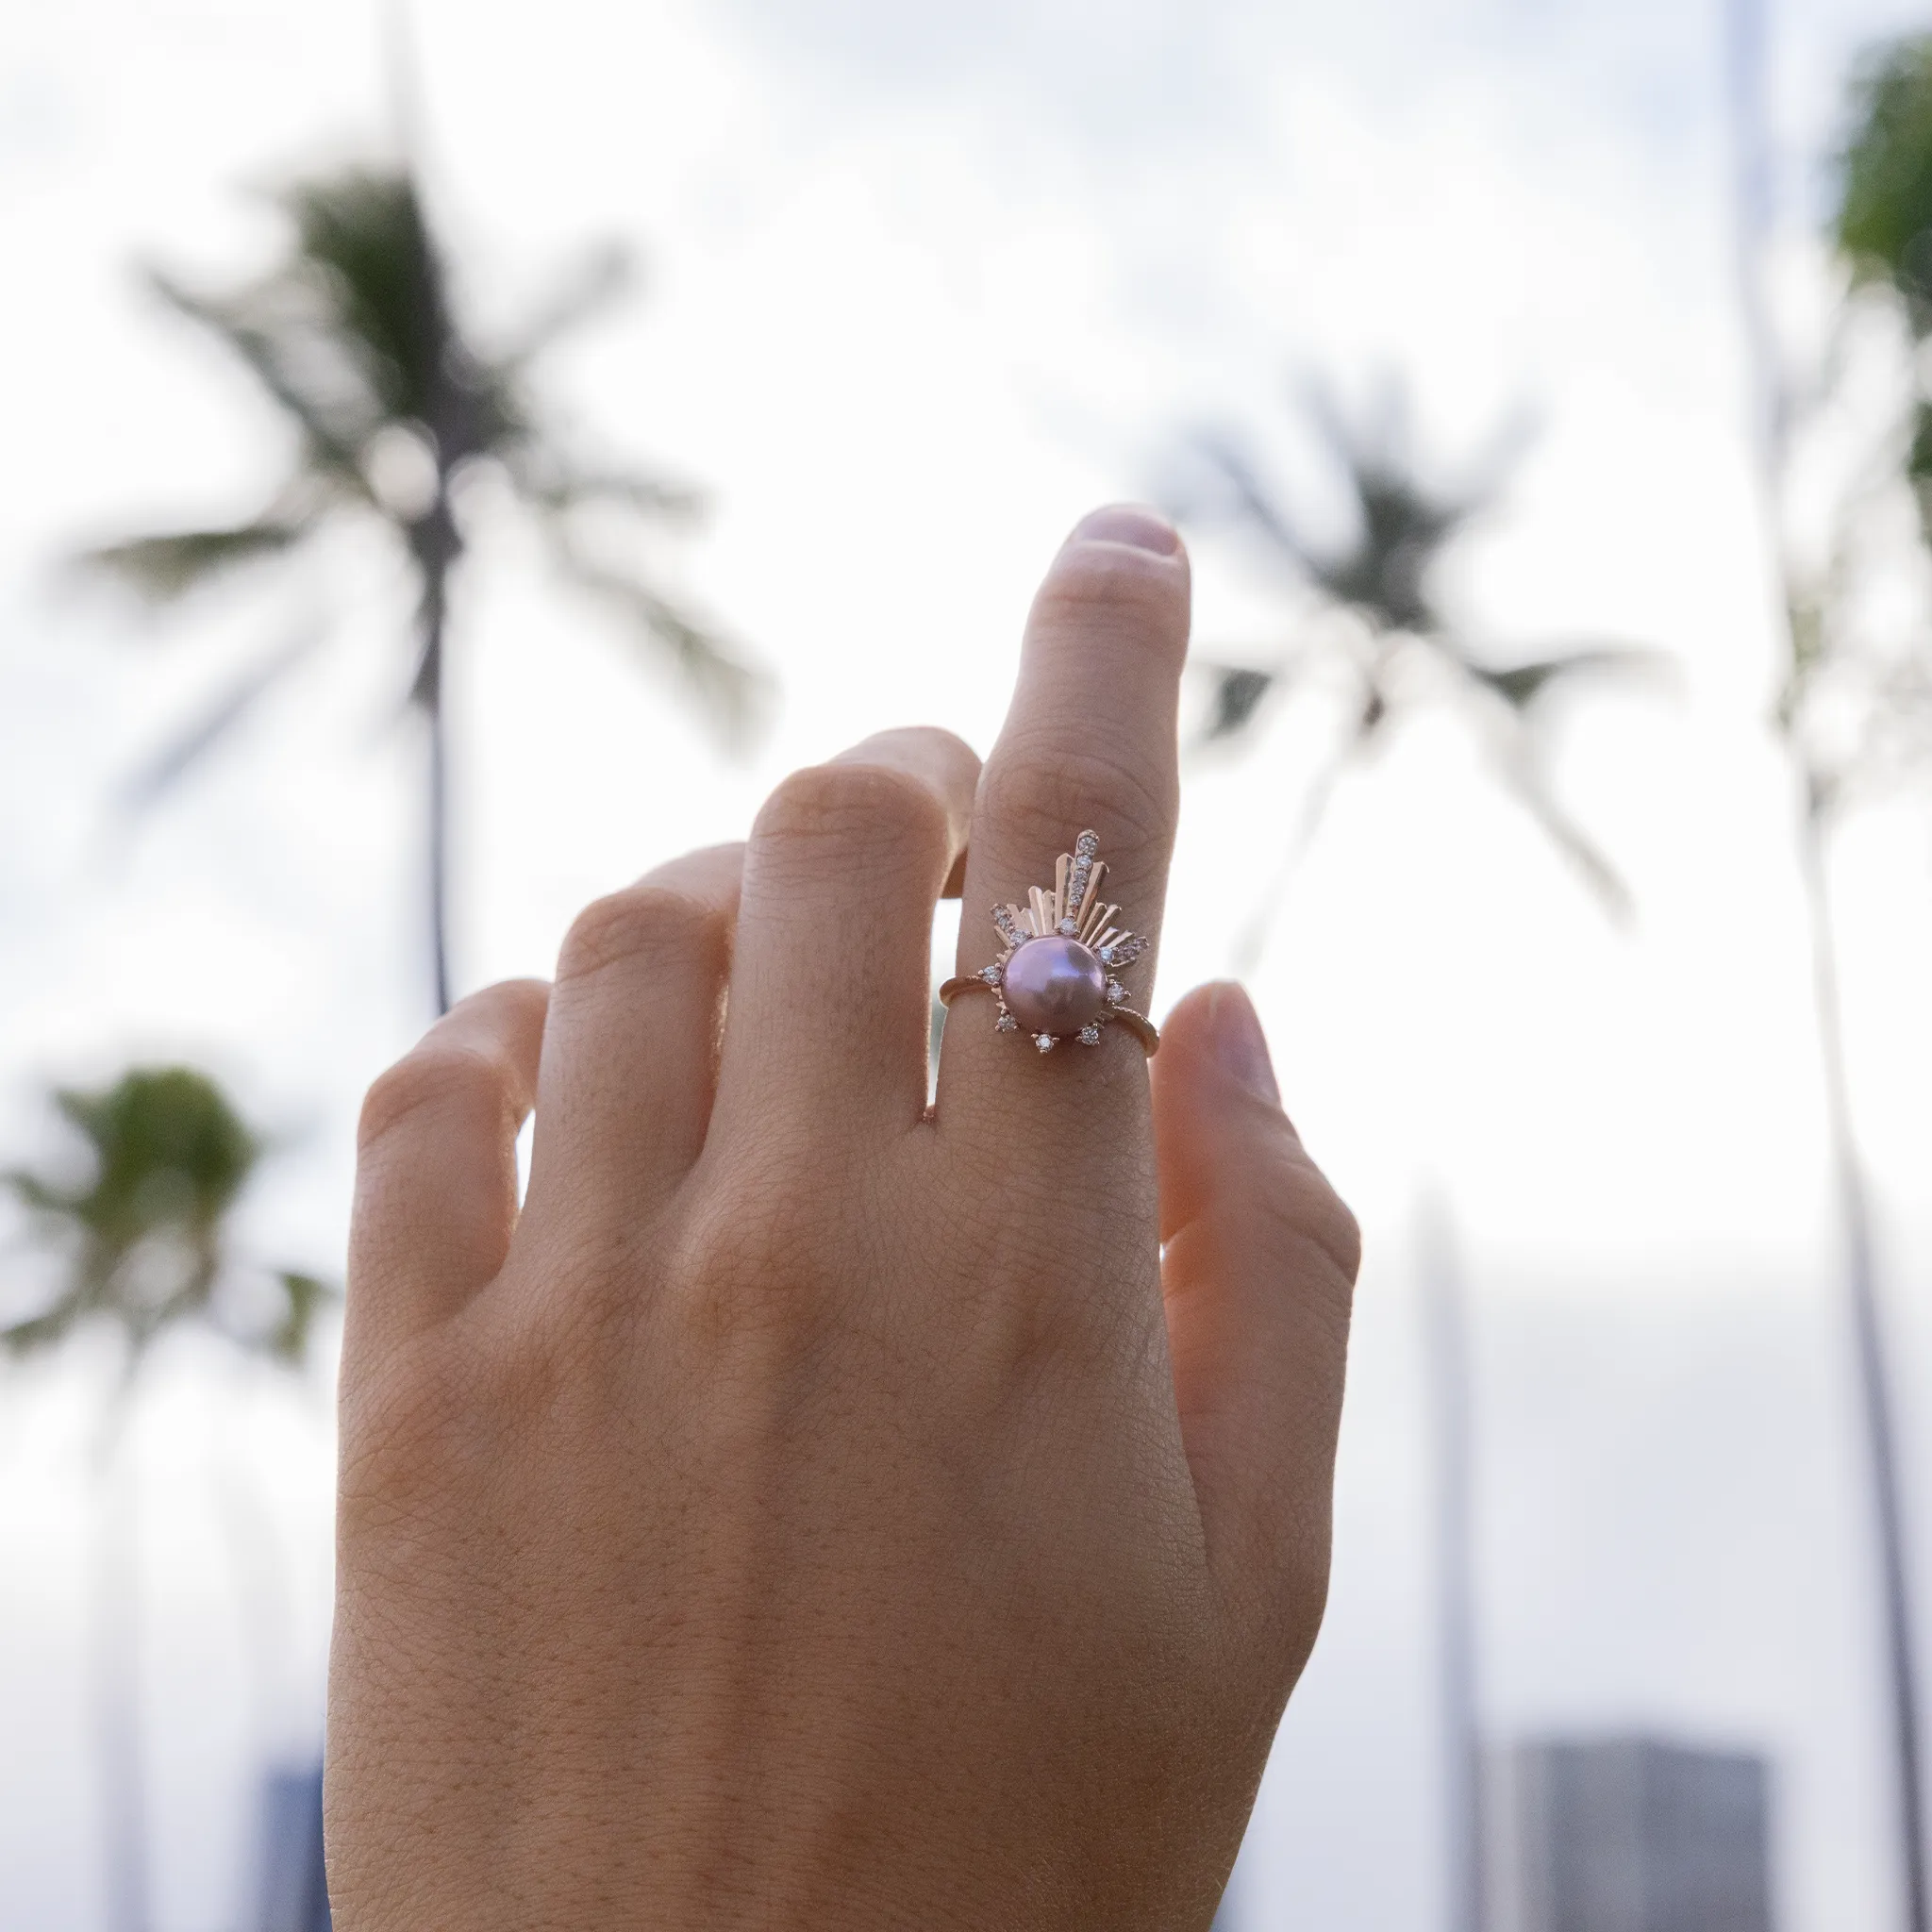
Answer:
(294, 1897)
(1633, 1835)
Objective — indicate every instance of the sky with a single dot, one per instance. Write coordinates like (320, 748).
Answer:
(920, 286)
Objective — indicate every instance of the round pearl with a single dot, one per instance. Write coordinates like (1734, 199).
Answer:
(1055, 985)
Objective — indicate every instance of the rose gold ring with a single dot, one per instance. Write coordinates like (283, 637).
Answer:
(1056, 979)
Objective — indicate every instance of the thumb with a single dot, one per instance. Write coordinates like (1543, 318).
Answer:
(1257, 1270)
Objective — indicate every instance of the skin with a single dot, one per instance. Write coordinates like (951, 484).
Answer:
(812, 1510)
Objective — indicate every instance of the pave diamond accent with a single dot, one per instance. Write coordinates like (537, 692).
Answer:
(1005, 1024)
(991, 974)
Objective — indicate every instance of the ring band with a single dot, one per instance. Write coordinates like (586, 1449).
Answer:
(1138, 1025)
(1057, 977)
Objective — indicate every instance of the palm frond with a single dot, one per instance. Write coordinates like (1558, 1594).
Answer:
(304, 1297)
(362, 236)
(163, 569)
(37, 1192)
(143, 1237)
(1363, 728)
(1238, 691)
(729, 693)
(278, 334)
(598, 279)
(44, 1330)
(1250, 498)
(555, 489)
(1523, 685)
(186, 749)
(1884, 209)
(1528, 786)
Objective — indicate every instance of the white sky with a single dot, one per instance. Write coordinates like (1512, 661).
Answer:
(925, 283)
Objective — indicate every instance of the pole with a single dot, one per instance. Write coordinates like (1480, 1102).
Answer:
(1876, 1403)
(1445, 1312)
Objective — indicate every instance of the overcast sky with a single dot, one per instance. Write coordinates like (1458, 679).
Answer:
(924, 283)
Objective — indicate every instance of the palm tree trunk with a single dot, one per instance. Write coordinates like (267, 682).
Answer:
(1746, 47)
(1447, 1319)
(116, 1670)
(429, 694)
(436, 542)
(1874, 1387)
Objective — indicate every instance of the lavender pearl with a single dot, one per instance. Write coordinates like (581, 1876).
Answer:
(1055, 985)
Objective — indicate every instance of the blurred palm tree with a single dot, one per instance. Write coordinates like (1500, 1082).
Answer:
(140, 1234)
(355, 337)
(1371, 619)
(1855, 703)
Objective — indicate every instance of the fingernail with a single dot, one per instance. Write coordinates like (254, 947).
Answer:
(1242, 1045)
(1131, 524)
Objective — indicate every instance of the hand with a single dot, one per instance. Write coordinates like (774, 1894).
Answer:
(811, 1510)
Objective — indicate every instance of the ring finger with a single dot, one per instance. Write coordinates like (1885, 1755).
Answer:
(1090, 743)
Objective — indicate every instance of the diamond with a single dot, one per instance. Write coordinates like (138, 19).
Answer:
(1069, 927)
(1107, 955)
(1089, 1036)
(991, 974)
(1005, 1024)
(1086, 845)
(1116, 992)
(1043, 1041)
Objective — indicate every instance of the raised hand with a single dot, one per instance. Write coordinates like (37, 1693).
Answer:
(815, 1510)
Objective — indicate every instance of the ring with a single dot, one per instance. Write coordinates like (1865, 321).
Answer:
(1057, 976)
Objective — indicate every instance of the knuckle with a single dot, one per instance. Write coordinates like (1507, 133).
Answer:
(856, 803)
(1311, 1213)
(752, 1284)
(1041, 793)
(1325, 1219)
(437, 1077)
(642, 922)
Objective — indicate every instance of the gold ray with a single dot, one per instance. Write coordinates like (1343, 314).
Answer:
(1090, 899)
(1062, 867)
(1111, 934)
(1098, 914)
(1043, 922)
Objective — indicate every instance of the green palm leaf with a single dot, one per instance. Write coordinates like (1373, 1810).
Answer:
(142, 1233)
(165, 568)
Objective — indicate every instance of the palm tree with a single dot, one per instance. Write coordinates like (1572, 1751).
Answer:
(356, 337)
(141, 1236)
(1371, 621)
(1854, 711)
